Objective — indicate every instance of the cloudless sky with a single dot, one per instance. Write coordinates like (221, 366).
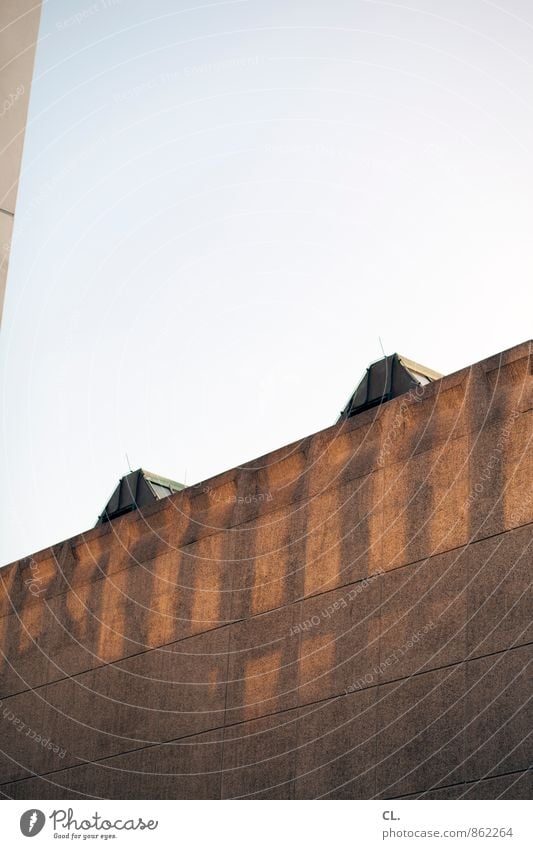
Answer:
(224, 205)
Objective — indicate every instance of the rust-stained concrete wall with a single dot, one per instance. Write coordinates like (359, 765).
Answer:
(346, 617)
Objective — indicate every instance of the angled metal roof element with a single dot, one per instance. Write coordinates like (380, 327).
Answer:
(137, 489)
(386, 379)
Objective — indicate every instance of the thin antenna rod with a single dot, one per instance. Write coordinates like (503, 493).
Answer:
(128, 462)
(382, 348)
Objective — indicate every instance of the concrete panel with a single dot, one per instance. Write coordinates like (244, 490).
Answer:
(500, 385)
(432, 416)
(259, 757)
(498, 714)
(420, 732)
(317, 545)
(506, 386)
(203, 576)
(515, 786)
(424, 504)
(24, 660)
(144, 606)
(164, 694)
(338, 636)
(501, 469)
(337, 749)
(187, 769)
(423, 616)
(86, 558)
(499, 603)
(152, 698)
(343, 534)
(269, 562)
(342, 453)
(262, 666)
(61, 716)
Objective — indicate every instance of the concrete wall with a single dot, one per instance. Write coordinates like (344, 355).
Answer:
(346, 617)
(19, 25)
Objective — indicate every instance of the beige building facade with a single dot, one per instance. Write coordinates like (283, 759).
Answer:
(19, 28)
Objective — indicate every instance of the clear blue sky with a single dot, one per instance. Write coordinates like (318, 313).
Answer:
(224, 205)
